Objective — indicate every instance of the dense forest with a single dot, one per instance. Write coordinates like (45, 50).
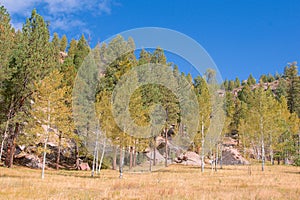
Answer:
(37, 79)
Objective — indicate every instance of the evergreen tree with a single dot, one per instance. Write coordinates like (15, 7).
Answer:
(144, 57)
(237, 82)
(56, 48)
(32, 60)
(293, 91)
(231, 85)
(6, 47)
(158, 56)
(71, 52)
(251, 80)
(82, 50)
(63, 43)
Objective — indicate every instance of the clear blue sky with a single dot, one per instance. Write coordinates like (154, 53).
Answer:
(242, 36)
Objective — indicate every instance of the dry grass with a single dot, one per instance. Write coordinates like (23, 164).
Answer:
(174, 182)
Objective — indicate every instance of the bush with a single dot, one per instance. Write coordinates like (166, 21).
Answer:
(297, 161)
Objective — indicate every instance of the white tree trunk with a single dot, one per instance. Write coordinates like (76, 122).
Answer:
(166, 149)
(262, 145)
(46, 140)
(95, 153)
(5, 133)
(44, 157)
(202, 145)
(102, 156)
(216, 157)
(221, 156)
(4, 138)
(121, 162)
(97, 160)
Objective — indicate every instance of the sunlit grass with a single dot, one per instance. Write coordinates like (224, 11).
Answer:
(174, 182)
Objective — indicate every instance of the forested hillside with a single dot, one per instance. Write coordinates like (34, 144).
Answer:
(38, 73)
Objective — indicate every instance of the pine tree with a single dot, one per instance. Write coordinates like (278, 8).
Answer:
(71, 53)
(144, 57)
(63, 43)
(293, 91)
(6, 48)
(158, 56)
(82, 50)
(32, 60)
(251, 80)
(231, 85)
(237, 82)
(56, 48)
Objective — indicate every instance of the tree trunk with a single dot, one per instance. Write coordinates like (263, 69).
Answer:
(95, 154)
(121, 162)
(8, 153)
(299, 144)
(216, 157)
(114, 163)
(150, 160)
(262, 155)
(46, 140)
(202, 145)
(262, 144)
(221, 156)
(271, 155)
(286, 158)
(154, 153)
(130, 157)
(271, 150)
(58, 150)
(12, 147)
(44, 157)
(134, 154)
(166, 147)
(76, 155)
(102, 156)
(97, 161)
(4, 138)
(94, 160)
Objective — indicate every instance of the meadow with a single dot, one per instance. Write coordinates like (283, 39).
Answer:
(173, 182)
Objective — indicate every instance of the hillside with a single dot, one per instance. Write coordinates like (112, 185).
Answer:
(65, 105)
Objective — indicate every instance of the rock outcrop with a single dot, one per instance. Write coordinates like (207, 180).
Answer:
(28, 160)
(84, 166)
(189, 158)
(231, 156)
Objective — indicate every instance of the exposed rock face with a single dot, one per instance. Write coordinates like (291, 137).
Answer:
(29, 160)
(62, 56)
(84, 167)
(231, 156)
(189, 158)
(158, 157)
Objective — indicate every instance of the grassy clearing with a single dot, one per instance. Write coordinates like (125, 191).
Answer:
(174, 182)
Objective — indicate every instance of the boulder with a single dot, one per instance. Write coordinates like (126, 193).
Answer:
(231, 156)
(189, 158)
(84, 166)
(29, 160)
(158, 157)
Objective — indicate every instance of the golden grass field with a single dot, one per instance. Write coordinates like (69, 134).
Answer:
(174, 182)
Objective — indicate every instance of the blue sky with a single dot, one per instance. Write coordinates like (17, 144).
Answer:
(241, 36)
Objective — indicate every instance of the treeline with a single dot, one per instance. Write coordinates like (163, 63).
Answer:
(37, 77)
(264, 116)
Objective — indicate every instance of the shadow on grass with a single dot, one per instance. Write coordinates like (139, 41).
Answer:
(10, 176)
(289, 172)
